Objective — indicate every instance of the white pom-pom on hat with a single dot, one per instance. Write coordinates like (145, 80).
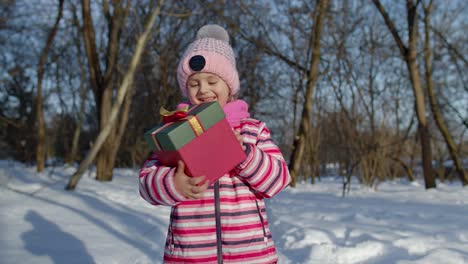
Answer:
(213, 31)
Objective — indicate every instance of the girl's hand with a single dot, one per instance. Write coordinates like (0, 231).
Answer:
(189, 186)
(241, 140)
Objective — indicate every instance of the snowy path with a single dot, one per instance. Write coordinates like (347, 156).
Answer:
(109, 223)
(397, 224)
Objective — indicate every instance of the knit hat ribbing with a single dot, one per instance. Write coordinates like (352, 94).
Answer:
(209, 53)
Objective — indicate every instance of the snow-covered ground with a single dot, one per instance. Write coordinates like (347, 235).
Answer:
(109, 223)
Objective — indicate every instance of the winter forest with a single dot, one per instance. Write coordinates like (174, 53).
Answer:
(374, 89)
(367, 100)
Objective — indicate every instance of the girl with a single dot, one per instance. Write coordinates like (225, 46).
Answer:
(225, 222)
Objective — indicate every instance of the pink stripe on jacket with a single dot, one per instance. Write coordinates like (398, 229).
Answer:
(246, 236)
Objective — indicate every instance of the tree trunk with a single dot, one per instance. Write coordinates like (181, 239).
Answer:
(103, 81)
(124, 91)
(419, 96)
(41, 140)
(409, 55)
(304, 128)
(72, 156)
(406, 168)
(106, 156)
(314, 150)
(433, 102)
(105, 159)
(77, 132)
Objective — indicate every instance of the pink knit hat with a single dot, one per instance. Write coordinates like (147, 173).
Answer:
(210, 53)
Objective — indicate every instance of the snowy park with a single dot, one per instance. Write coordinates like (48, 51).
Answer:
(401, 222)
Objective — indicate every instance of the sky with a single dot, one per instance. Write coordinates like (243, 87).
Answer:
(397, 223)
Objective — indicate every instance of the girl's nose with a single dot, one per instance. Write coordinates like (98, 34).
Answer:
(203, 88)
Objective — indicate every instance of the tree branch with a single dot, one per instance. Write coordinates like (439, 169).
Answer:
(391, 26)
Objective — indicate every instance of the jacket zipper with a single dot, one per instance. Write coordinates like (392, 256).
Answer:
(171, 230)
(219, 246)
(265, 238)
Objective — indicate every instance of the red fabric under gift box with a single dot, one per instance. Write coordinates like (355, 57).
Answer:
(212, 154)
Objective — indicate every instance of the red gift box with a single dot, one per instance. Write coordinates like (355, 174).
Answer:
(212, 154)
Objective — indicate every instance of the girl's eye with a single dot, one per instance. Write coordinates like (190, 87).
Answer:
(212, 83)
(193, 85)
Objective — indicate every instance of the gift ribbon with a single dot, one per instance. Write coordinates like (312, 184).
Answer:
(172, 116)
(195, 124)
(182, 114)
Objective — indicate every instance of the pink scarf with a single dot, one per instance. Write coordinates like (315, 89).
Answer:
(235, 111)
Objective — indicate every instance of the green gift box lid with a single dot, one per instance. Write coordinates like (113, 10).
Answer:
(174, 136)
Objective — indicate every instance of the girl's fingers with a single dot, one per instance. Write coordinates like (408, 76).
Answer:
(200, 189)
(195, 191)
(180, 166)
(196, 180)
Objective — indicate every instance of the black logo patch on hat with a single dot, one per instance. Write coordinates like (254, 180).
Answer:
(197, 63)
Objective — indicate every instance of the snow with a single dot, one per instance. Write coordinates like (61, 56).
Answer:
(401, 222)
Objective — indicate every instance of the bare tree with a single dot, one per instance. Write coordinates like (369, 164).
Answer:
(155, 81)
(124, 93)
(304, 133)
(71, 157)
(40, 151)
(433, 101)
(104, 81)
(408, 54)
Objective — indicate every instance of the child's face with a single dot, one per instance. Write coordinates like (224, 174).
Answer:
(206, 87)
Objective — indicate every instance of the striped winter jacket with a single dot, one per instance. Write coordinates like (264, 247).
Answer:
(229, 224)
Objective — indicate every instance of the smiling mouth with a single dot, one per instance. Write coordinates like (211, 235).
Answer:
(207, 99)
